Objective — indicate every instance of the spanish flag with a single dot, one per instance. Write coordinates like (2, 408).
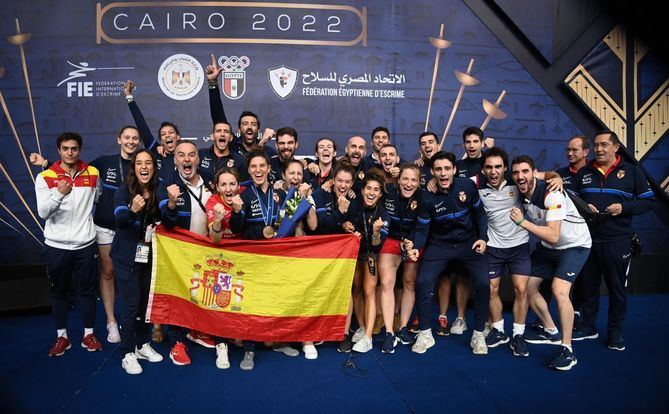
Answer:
(293, 289)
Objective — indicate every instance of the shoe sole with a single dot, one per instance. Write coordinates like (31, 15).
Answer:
(526, 354)
(568, 367)
(90, 349)
(593, 336)
(479, 352)
(443, 333)
(543, 341)
(426, 348)
(288, 353)
(179, 363)
(344, 352)
(200, 342)
(113, 340)
(458, 332)
(498, 343)
(616, 348)
(223, 366)
(145, 358)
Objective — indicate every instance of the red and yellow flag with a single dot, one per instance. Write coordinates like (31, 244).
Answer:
(292, 289)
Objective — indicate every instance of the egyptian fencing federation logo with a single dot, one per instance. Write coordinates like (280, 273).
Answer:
(180, 77)
(282, 79)
(234, 77)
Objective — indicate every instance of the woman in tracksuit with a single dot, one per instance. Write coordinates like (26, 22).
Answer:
(138, 203)
(370, 221)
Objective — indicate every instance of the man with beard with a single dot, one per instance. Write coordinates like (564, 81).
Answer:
(559, 256)
(380, 137)
(191, 195)
(219, 155)
(248, 124)
(617, 190)
(452, 226)
(286, 145)
(323, 169)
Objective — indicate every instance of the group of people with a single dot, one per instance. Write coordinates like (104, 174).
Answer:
(423, 220)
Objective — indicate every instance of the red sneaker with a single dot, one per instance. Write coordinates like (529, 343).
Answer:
(413, 326)
(179, 354)
(91, 343)
(443, 326)
(201, 338)
(61, 345)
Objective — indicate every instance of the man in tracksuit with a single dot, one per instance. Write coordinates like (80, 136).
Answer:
(616, 190)
(452, 226)
(66, 194)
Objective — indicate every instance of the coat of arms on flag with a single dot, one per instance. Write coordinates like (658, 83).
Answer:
(282, 79)
(234, 76)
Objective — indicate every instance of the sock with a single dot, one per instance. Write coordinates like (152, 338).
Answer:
(577, 313)
(443, 316)
(88, 331)
(568, 347)
(499, 325)
(61, 332)
(552, 331)
(518, 329)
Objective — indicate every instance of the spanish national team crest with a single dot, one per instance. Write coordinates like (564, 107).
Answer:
(215, 287)
(282, 79)
(231, 163)
(462, 196)
(234, 76)
(620, 174)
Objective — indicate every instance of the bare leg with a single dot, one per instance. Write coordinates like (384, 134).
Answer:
(561, 290)
(388, 264)
(409, 292)
(538, 303)
(107, 292)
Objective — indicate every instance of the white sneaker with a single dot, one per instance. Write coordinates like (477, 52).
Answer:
(148, 353)
(478, 344)
(222, 361)
(358, 334)
(130, 364)
(310, 351)
(363, 345)
(113, 335)
(459, 326)
(286, 350)
(424, 341)
(486, 329)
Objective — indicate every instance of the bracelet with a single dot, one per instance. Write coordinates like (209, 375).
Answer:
(376, 236)
(518, 223)
(213, 85)
(220, 229)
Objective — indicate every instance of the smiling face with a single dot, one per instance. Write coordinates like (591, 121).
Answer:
(248, 127)
(388, 158)
(493, 170)
(473, 146)
(379, 139)
(371, 193)
(144, 168)
(325, 151)
(222, 136)
(293, 174)
(428, 146)
(523, 176)
(355, 150)
(186, 159)
(258, 170)
(169, 138)
(227, 187)
(343, 182)
(286, 146)
(605, 149)
(129, 141)
(409, 182)
(443, 170)
(69, 152)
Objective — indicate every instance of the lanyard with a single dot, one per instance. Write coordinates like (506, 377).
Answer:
(267, 209)
(120, 169)
(368, 241)
(199, 199)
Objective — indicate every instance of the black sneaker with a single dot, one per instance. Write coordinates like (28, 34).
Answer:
(617, 344)
(405, 337)
(581, 334)
(496, 338)
(564, 360)
(389, 344)
(346, 345)
(519, 346)
(543, 337)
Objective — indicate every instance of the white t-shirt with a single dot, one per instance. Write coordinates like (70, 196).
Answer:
(557, 206)
(198, 217)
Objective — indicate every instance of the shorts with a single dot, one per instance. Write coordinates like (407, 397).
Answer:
(564, 264)
(392, 246)
(512, 260)
(103, 235)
